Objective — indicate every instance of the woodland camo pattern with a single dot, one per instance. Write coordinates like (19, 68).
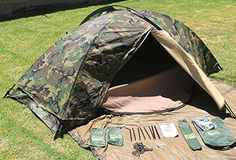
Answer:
(67, 85)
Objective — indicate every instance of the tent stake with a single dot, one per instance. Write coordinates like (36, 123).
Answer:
(157, 132)
(147, 133)
(134, 134)
(139, 136)
(142, 133)
(130, 134)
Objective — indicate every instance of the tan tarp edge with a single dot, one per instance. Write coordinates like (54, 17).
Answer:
(174, 148)
(189, 65)
(228, 92)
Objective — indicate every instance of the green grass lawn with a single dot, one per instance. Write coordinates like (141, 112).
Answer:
(22, 41)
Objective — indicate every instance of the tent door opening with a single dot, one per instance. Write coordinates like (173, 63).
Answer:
(151, 81)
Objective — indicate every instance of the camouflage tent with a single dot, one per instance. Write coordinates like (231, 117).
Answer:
(66, 87)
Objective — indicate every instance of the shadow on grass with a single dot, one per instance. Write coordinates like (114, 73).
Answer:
(25, 12)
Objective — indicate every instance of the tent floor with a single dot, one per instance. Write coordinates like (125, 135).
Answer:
(167, 90)
(175, 148)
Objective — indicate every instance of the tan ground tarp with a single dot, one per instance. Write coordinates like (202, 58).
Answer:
(175, 148)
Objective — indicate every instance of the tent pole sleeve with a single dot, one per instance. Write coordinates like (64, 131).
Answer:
(98, 11)
(111, 8)
(137, 13)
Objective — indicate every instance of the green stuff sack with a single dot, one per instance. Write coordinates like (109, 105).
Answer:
(115, 136)
(189, 136)
(219, 137)
(97, 137)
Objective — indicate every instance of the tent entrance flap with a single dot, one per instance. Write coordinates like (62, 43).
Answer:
(191, 67)
(150, 82)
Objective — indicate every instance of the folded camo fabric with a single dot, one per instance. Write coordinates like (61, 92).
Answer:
(97, 137)
(115, 136)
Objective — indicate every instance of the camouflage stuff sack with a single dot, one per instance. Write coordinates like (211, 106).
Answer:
(115, 136)
(67, 85)
(219, 137)
(97, 137)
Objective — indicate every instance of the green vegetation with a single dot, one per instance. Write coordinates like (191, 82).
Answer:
(23, 40)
